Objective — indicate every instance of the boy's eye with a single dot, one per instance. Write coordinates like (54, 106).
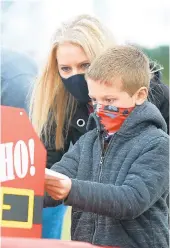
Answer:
(85, 66)
(110, 100)
(65, 68)
(93, 100)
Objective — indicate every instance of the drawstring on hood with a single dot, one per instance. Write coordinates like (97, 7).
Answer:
(93, 122)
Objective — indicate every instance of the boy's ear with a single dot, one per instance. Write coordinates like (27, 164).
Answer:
(141, 95)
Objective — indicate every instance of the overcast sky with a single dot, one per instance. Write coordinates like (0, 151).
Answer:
(30, 24)
(146, 22)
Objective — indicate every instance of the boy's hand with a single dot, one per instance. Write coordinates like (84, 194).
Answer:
(58, 189)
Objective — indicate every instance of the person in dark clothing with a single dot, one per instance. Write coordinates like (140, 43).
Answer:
(159, 95)
(116, 176)
(60, 103)
(17, 74)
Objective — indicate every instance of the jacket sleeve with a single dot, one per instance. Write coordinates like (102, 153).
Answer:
(68, 166)
(53, 155)
(145, 183)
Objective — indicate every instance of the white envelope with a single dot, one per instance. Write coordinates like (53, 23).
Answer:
(50, 174)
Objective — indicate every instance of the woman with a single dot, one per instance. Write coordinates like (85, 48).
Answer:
(61, 96)
(60, 103)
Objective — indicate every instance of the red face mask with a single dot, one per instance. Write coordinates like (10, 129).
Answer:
(111, 118)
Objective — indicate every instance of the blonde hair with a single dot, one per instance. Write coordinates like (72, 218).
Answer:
(50, 101)
(125, 62)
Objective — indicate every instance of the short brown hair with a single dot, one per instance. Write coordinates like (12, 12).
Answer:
(126, 62)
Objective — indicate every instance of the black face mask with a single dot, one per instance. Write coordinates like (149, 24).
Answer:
(77, 86)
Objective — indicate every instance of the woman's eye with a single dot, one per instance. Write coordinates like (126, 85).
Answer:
(85, 66)
(65, 69)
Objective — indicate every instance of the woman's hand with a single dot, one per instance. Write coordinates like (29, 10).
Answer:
(57, 188)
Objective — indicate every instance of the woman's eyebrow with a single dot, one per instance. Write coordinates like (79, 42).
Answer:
(64, 65)
(85, 61)
(82, 62)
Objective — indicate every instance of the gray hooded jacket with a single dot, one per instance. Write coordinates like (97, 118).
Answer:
(119, 198)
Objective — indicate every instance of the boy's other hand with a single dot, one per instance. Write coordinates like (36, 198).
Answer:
(58, 189)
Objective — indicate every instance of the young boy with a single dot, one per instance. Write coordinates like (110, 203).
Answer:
(116, 175)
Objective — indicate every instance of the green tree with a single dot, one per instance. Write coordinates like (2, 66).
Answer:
(161, 56)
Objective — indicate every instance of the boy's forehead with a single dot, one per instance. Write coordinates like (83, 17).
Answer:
(104, 87)
(116, 82)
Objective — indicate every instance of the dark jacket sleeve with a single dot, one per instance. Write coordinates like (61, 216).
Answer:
(145, 183)
(159, 96)
(53, 155)
(67, 166)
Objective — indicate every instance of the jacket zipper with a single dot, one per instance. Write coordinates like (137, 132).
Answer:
(100, 166)
(103, 154)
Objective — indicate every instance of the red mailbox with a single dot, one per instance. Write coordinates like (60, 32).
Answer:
(22, 165)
